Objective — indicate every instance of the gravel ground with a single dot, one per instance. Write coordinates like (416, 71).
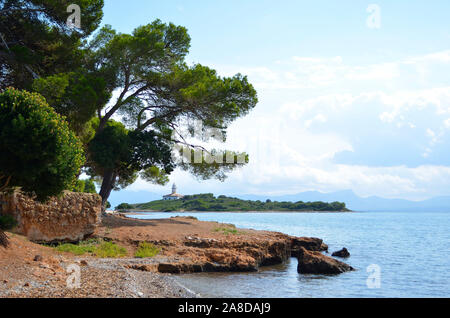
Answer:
(99, 278)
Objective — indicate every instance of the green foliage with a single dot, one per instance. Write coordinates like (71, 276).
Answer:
(129, 152)
(146, 249)
(85, 186)
(89, 186)
(227, 231)
(37, 40)
(75, 95)
(7, 222)
(157, 93)
(78, 249)
(79, 186)
(39, 153)
(94, 247)
(110, 147)
(207, 202)
(110, 250)
(124, 206)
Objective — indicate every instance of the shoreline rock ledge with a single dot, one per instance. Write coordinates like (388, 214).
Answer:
(313, 262)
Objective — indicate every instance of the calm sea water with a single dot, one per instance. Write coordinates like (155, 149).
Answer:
(411, 249)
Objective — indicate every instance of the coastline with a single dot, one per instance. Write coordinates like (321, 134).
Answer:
(138, 212)
(186, 246)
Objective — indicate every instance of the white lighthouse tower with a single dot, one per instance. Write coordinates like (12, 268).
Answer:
(174, 195)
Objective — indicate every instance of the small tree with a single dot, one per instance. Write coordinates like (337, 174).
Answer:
(39, 153)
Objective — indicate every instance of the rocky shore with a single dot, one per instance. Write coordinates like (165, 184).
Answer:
(186, 245)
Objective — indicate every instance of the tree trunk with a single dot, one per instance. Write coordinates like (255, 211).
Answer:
(109, 178)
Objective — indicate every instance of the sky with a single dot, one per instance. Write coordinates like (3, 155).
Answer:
(352, 94)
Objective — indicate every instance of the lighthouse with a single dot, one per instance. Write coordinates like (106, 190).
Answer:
(174, 195)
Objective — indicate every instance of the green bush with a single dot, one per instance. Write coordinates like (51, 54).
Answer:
(7, 222)
(146, 250)
(39, 153)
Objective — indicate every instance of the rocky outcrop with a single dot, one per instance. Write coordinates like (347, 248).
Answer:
(309, 243)
(344, 253)
(313, 262)
(219, 255)
(188, 245)
(215, 255)
(71, 217)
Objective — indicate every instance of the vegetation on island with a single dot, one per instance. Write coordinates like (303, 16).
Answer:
(208, 202)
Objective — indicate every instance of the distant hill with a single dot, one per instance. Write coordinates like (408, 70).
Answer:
(356, 203)
(132, 197)
(208, 202)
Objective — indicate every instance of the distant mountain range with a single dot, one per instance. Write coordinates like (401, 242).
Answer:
(356, 203)
(352, 201)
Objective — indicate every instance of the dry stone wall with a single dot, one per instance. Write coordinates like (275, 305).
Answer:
(69, 218)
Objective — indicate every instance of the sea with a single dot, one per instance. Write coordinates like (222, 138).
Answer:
(395, 254)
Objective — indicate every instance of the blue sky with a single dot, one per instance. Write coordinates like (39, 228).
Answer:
(342, 105)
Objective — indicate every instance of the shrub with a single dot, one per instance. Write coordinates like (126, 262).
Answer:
(146, 250)
(39, 153)
(7, 222)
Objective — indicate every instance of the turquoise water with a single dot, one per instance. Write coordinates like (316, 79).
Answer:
(411, 250)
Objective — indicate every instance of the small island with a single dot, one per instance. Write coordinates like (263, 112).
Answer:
(207, 202)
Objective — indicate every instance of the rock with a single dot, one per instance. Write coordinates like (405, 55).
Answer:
(313, 262)
(309, 243)
(341, 253)
(38, 258)
(143, 267)
(169, 268)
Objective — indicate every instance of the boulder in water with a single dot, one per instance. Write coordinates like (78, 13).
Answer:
(344, 253)
(312, 262)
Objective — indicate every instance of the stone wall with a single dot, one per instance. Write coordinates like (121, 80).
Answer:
(69, 218)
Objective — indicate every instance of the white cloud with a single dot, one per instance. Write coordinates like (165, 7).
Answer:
(313, 109)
